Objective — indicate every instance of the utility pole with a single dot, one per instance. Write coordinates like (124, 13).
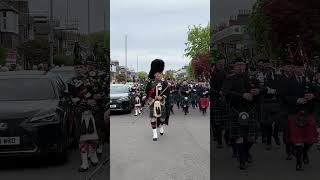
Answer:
(88, 17)
(126, 56)
(51, 35)
(137, 63)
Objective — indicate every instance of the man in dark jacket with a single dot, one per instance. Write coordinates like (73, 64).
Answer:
(242, 94)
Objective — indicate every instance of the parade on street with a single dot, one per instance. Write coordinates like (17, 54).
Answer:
(182, 152)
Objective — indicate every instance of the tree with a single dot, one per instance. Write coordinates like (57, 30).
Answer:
(35, 51)
(63, 60)
(258, 28)
(169, 74)
(201, 66)
(198, 41)
(96, 38)
(142, 75)
(3, 56)
(121, 78)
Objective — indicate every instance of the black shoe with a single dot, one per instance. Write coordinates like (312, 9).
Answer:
(83, 170)
(161, 134)
(155, 139)
(94, 164)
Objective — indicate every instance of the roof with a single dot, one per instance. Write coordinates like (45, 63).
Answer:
(7, 7)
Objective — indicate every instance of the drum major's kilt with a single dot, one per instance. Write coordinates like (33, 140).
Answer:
(163, 111)
(236, 129)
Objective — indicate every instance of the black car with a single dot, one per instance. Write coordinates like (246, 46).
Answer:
(32, 115)
(120, 98)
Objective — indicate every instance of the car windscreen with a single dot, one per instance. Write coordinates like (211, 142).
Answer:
(26, 89)
(119, 89)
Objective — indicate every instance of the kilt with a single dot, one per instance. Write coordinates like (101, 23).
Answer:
(163, 111)
(237, 129)
(219, 116)
(306, 134)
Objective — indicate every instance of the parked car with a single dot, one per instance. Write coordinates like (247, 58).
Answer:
(120, 98)
(33, 115)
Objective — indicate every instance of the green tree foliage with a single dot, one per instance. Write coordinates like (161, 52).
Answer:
(198, 41)
(142, 75)
(121, 78)
(63, 60)
(3, 55)
(258, 28)
(35, 51)
(98, 38)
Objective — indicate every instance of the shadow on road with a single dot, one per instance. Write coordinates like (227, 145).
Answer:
(29, 162)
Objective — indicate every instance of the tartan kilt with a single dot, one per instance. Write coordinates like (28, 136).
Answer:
(236, 129)
(306, 134)
(219, 115)
(163, 111)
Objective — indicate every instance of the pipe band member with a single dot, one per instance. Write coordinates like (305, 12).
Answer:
(156, 94)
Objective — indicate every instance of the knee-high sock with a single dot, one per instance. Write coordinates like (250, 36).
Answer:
(298, 153)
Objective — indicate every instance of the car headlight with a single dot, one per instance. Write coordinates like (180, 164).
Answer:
(51, 117)
(124, 99)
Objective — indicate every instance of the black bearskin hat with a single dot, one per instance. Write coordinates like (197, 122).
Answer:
(157, 65)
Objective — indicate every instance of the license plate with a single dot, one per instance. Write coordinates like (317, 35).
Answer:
(9, 141)
(113, 106)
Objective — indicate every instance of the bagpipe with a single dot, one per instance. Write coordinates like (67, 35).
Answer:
(157, 104)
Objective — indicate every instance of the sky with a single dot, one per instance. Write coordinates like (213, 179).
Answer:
(221, 10)
(155, 29)
(78, 8)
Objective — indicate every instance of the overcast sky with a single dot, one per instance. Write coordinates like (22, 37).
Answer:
(78, 8)
(221, 10)
(155, 29)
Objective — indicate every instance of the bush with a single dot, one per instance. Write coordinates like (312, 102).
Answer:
(63, 60)
(3, 56)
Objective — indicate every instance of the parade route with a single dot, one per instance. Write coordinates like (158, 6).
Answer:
(182, 153)
(32, 168)
(267, 165)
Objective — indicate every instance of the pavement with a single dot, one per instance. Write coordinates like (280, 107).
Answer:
(182, 153)
(36, 168)
(267, 165)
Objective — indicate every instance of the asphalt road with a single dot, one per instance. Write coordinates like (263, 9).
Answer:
(35, 168)
(182, 153)
(267, 165)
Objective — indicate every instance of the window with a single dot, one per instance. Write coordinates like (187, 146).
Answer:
(4, 23)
